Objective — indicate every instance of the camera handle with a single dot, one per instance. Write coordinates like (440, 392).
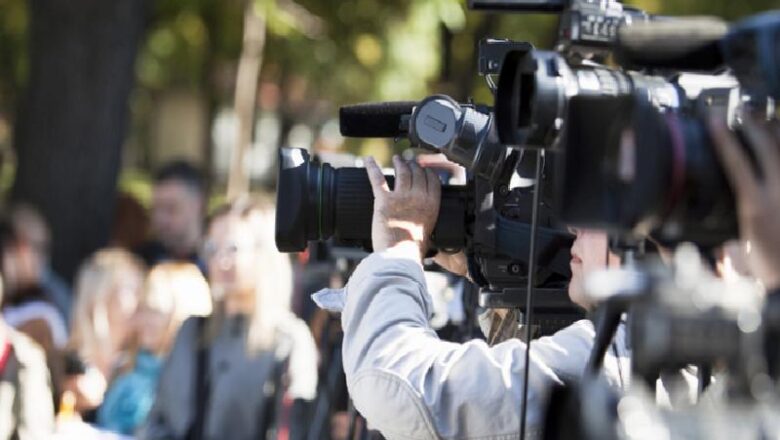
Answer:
(608, 314)
(606, 321)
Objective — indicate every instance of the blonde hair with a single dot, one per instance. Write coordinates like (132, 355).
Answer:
(273, 292)
(97, 281)
(178, 289)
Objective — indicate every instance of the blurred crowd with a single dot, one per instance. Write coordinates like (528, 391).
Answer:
(183, 328)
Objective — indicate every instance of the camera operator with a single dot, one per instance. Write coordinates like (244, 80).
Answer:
(407, 382)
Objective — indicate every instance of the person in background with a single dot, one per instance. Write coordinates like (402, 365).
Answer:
(26, 407)
(173, 292)
(247, 371)
(108, 288)
(26, 306)
(31, 228)
(131, 223)
(177, 212)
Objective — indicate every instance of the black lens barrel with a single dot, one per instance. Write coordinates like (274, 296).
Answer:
(316, 202)
(352, 211)
(352, 208)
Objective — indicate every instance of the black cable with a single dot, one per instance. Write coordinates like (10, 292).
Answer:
(619, 366)
(353, 416)
(606, 323)
(529, 289)
(705, 377)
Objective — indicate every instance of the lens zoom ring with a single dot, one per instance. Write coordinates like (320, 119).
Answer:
(354, 205)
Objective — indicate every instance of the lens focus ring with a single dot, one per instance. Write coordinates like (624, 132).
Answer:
(354, 205)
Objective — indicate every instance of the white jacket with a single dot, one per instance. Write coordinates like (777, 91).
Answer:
(409, 384)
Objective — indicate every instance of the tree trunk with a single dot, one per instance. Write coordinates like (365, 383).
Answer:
(73, 116)
(246, 97)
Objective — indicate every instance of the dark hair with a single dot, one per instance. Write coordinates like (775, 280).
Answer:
(184, 172)
(10, 236)
(21, 222)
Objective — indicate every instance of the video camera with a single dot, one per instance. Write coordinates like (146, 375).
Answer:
(636, 157)
(488, 217)
(636, 154)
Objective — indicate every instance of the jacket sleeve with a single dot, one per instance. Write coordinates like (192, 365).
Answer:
(409, 384)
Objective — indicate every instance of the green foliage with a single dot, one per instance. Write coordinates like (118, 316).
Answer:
(368, 49)
(181, 38)
(13, 56)
(338, 52)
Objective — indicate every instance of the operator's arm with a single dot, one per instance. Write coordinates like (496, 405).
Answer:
(402, 378)
(410, 384)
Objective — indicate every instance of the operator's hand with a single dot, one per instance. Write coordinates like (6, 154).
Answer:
(404, 217)
(758, 199)
(454, 263)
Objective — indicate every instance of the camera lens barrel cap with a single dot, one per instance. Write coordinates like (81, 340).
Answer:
(435, 121)
(292, 200)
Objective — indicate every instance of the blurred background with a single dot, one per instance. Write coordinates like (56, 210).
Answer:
(94, 95)
(123, 123)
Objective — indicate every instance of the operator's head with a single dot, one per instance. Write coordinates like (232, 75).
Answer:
(589, 253)
(178, 207)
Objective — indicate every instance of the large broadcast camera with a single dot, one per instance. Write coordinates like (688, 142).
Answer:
(638, 158)
(637, 155)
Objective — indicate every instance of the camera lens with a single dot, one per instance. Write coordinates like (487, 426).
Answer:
(679, 181)
(631, 166)
(316, 202)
